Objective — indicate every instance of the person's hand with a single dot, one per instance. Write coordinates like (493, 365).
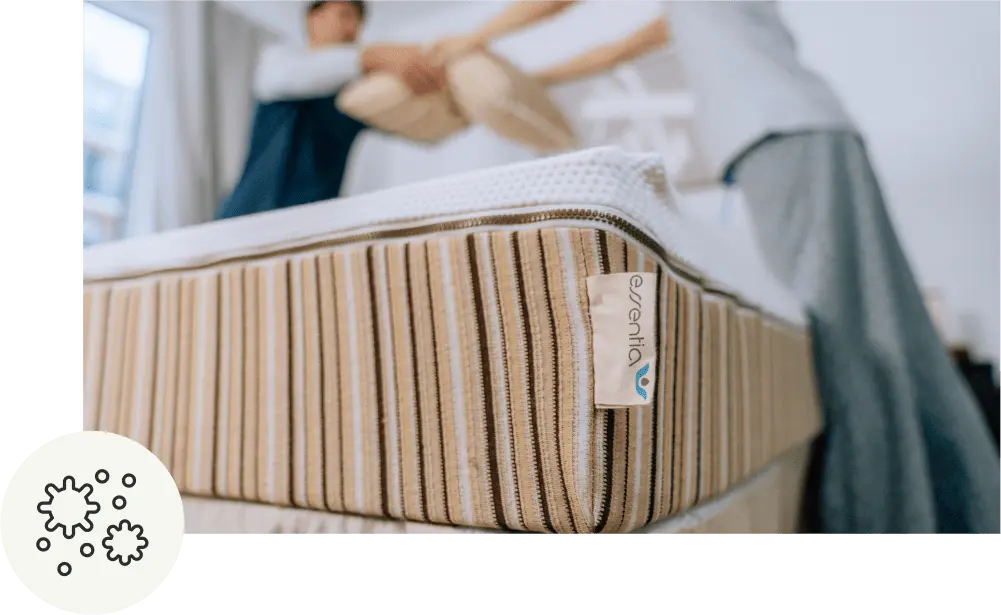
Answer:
(415, 69)
(452, 47)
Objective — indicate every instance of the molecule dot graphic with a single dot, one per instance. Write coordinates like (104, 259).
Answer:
(86, 549)
(64, 569)
(43, 544)
(118, 502)
(101, 476)
(129, 481)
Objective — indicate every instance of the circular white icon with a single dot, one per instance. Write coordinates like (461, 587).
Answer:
(92, 522)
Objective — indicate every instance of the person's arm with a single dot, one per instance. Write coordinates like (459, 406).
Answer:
(299, 74)
(517, 16)
(285, 73)
(648, 38)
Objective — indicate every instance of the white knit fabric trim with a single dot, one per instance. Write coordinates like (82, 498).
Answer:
(606, 178)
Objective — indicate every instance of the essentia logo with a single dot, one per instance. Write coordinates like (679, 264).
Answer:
(637, 340)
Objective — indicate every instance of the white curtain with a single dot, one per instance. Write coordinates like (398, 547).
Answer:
(196, 114)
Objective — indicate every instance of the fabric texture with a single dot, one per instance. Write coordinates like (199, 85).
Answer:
(384, 102)
(492, 91)
(765, 503)
(444, 379)
(740, 61)
(906, 447)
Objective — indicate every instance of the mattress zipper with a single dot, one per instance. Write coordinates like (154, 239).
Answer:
(673, 261)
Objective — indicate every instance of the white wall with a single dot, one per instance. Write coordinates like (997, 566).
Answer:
(921, 78)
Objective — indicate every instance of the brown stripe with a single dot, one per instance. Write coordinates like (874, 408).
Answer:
(676, 455)
(377, 371)
(437, 383)
(606, 504)
(322, 385)
(492, 263)
(530, 361)
(556, 382)
(333, 441)
(486, 382)
(700, 339)
(661, 364)
(416, 381)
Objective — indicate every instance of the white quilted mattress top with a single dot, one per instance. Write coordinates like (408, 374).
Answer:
(632, 186)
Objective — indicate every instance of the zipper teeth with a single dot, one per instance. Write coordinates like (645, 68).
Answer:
(671, 260)
(684, 268)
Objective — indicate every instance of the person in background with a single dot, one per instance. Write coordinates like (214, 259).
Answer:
(300, 141)
(905, 448)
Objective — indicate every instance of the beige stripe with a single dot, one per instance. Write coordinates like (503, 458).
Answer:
(332, 391)
(275, 436)
(145, 358)
(456, 474)
(768, 400)
(96, 307)
(185, 386)
(597, 439)
(201, 428)
(546, 360)
(498, 372)
(231, 364)
(693, 310)
(428, 387)
(578, 420)
(313, 379)
(122, 425)
(472, 443)
(405, 387)
(572, 379)
(253, 406)
(86, 304)
(387, 358)
(165, 395)
(353, 453)
(665, 425)
(299, 392)
(526, 468)
(113, 363)
(369, 411)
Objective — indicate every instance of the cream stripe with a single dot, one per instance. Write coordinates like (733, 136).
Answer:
(458, 393)
(225, 378)
(636, 430)
(270, 348)
(95, 358)
(198, 383)
(387, 357)
(312, 368)
(356, 385)
(139, 393)
(299, 373)
(582, 355)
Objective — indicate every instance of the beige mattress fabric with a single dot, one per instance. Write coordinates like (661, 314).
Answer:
(768, 503)
(444, 378)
